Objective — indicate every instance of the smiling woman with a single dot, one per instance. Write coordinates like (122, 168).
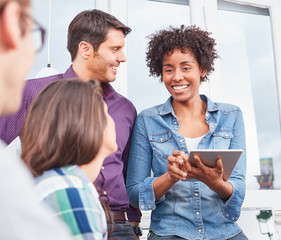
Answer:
(184, 57)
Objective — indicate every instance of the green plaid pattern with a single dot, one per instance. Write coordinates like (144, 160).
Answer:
(73, 197)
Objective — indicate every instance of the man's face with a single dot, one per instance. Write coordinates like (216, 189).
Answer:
(107, 58)
(21, 58)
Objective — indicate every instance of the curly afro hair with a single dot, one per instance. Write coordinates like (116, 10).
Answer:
(189, 38)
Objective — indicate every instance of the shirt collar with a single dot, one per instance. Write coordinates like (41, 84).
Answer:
(211, 106)
(168, 108)
(69, 73)
(108, 90)
(75, 170)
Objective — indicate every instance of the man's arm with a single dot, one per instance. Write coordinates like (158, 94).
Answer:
(11, 126)
(133, 214)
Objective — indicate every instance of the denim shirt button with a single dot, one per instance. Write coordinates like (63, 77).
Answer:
(161, 139)
(142, 207)
(227, 214)
(233, 218)
(197, 213)
(199, 230)
(181, 140)
(196, 194)
(175, 123)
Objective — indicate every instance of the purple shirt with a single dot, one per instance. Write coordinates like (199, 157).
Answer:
(110, 183)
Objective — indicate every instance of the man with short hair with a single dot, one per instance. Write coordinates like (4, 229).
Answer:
(96, 42)
(22, 216)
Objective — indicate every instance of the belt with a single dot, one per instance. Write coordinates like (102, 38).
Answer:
(118, 216)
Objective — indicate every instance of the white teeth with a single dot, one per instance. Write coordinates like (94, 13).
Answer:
(180, 87)
(115, 68)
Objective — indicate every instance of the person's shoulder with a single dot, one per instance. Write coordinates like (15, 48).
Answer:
(227, 107)
(152, 111)
(35, 85)
(63, 176)
(56, 180)
(223, 107)
(11, 165)
(125, 101)
(48, 174)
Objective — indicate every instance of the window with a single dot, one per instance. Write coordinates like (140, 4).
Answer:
(146, 17)
(59, 56)
(248, 80)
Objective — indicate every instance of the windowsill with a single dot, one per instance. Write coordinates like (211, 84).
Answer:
(263, 198)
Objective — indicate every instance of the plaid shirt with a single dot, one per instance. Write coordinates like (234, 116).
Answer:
(71, 194)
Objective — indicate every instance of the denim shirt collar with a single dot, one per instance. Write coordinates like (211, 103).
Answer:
(167, 107)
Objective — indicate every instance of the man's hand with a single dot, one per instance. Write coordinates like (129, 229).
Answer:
(133, 224)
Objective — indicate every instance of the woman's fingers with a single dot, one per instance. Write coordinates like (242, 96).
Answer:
(174, 167)
(200, 165)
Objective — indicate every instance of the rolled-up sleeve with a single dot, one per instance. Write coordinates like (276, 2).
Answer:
(139, 181)
(232, 207)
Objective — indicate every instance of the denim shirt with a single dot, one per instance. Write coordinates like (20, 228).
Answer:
(190, 209)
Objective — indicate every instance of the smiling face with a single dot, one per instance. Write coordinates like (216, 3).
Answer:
(107, 58)
(181, 74)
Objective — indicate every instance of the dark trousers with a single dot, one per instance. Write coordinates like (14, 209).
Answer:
(122, 231)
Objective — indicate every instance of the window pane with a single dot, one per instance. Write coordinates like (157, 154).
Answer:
(248, 80)
(62, 13)
(145, 17)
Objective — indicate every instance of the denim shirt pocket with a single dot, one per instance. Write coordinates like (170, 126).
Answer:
(162, 146)
(222, 138)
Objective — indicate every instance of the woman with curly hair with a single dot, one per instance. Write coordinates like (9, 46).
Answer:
(187, 202)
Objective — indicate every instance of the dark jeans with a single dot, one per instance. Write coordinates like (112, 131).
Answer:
(122, 231)
(153, 236)
(240, 236)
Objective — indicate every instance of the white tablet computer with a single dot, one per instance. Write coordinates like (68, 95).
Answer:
(210, 156)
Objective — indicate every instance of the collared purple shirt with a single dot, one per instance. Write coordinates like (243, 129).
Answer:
(110, 182)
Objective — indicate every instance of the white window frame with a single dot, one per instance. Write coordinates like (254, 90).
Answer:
(210, 12)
